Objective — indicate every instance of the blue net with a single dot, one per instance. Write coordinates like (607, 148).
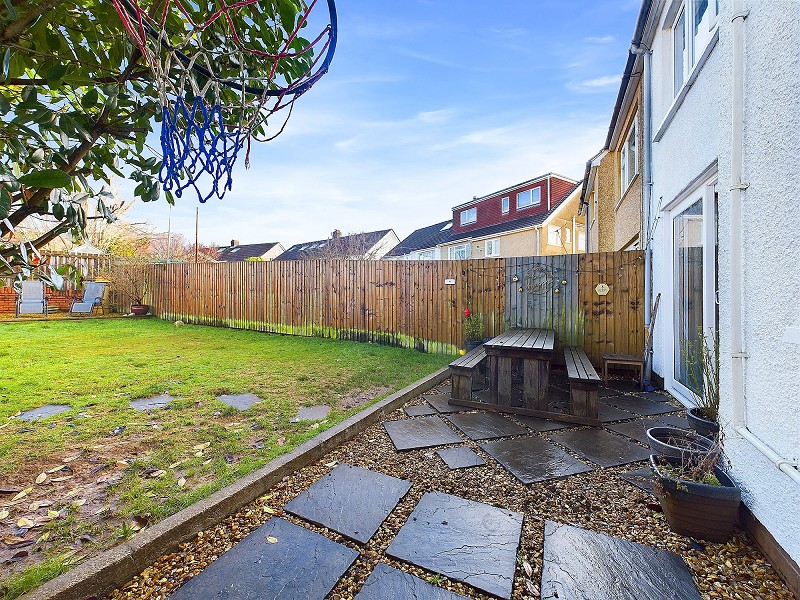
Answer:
(196, 144)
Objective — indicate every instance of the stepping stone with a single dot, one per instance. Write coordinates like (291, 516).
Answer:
(636, 429)
(387, 582)
(311, 413)
(640, 406)
(486, 425)
(464, 540)
(655, 396)
(674, 421)
(601, 447)
(460, 458)
(48, 410)
(540, 425)
(239, 401)
(532, 459)
(350, 500)
(419, 410)
(424, 432)
(607, 413)
(151, 403)
(641, 478)
(441, 402)
(623, 385)
(583, 565)
(298, 563)
(603, 392)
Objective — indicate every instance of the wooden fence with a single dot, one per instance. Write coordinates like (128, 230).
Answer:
(417, 304)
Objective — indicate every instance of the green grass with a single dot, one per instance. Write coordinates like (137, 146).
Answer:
(98, 366)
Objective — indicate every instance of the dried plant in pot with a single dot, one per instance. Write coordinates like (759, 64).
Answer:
(698, 498)
(679, 443)
(702, 358)
(129, 283)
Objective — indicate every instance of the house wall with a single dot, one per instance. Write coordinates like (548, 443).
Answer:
(274, 252)
(628, 208)
(516, 243)
(386, 243)
(607, 193)
(771, 255)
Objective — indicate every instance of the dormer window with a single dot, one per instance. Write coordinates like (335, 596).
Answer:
(529, 198)
(469, 216)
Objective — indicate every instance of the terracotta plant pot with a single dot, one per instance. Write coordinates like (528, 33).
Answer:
(702, 424)
(679, 443)
(698, 510)
(140, 310)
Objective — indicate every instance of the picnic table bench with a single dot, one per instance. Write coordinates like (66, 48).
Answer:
(583, 383)
(463, 372)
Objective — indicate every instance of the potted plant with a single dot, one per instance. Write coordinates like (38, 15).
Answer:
(699, 500)
(703, 375)
(130, 283)
(473, 330)
(679, 443)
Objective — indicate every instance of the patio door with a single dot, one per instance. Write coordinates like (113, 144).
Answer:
(694, 287)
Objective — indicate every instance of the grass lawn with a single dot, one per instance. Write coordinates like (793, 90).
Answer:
(81, 481)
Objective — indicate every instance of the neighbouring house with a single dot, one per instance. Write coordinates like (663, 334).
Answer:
(613, 192)
(86, 248)
(719, 111)
(237, 252)
(370, 245)
(537, 217)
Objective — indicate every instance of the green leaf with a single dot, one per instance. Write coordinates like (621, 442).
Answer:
(6, 62)
(89, 98)
(58, 211)
(37, 156)
(56, 73)
(53, 42)
(46, 178)
(5, 203)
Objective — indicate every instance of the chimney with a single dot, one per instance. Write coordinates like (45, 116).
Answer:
(336, 233)
(234, 243)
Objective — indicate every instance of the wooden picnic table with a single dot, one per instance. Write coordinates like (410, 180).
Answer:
(533, 348)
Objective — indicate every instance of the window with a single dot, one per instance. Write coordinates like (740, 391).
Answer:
(581, 241)
(693, 29)
(567, 235)
(628, 159)
(426, 255)
(505, 205)
(460, 252)
(529, 198)
(469, 216)
(492, 247)
(554, 235)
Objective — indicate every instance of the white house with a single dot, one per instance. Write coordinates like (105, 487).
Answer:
(722, 178)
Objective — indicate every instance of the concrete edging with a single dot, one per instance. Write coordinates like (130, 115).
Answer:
(120, 564)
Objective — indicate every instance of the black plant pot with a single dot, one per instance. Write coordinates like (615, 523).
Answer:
(702, 424)
(698, 510)
(470, 345)
(679, 443)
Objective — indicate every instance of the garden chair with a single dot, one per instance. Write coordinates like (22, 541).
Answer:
(32, 299)
(92, 298)
(630, 359)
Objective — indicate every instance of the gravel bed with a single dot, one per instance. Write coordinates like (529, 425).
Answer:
(598, 501)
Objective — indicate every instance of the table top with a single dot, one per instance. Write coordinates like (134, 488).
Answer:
(523, 339)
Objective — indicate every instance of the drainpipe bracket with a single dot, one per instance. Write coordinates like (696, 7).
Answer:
(740, 355)
(740, 186)
(791, 463)
(740, 15)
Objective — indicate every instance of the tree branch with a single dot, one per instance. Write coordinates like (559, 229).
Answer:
(13, 30)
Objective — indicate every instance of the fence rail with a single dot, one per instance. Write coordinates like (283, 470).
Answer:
(417, 304)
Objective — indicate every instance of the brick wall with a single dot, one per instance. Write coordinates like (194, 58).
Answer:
(60, 299)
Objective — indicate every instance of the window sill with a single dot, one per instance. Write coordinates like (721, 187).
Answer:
(684, 91)
(519, 208)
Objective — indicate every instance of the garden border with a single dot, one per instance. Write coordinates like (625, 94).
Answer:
(118, 565)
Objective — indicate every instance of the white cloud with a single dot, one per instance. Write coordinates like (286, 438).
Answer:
(595, 85)
(603, 39)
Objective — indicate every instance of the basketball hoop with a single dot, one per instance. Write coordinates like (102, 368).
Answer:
(221, 70)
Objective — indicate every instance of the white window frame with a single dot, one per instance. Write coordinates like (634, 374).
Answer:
(696, 39)
(581, 241)
(469, 216)
(567, 235)
(460, 252)
(626, 175)
(427, 255)
(505, 205)
(492, 248)
(553, 235)
(533, 202)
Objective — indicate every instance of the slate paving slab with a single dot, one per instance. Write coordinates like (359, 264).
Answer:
(48, 410)
(419, 410)
(655, 396)
(601, 447)
(674, 421)
(350, 500)
(641, 478)
(386, 582)
(151, 403)
(636, 429)
(239, 401)
(278, 560)
(532, 458)
(640, 406)
(467, 541)
(583, 565)
(607, 413)
(311, 413)
(540, 425)
(441, 403)
(485, 425)
(423, 432)
(460, 458)
(623, 385)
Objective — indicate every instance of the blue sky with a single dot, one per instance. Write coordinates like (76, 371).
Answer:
(427, 104)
